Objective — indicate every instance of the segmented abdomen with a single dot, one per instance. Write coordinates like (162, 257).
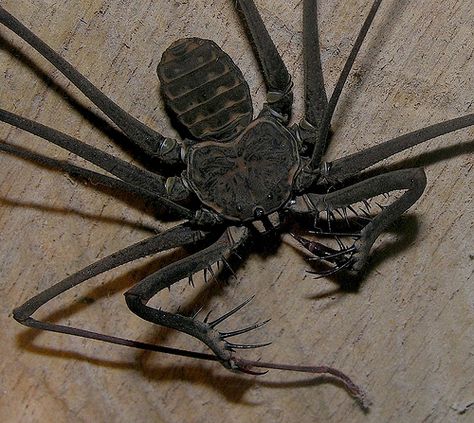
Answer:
(204, 90)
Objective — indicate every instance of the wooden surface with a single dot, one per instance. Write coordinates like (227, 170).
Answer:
(407, 335)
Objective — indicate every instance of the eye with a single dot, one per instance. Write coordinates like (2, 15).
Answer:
(258, 212)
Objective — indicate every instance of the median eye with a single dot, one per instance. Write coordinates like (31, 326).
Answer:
(258, 212)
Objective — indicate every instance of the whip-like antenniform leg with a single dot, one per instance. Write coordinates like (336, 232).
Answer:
(138, 296)
(276, 76)
(149, 141)
(176, 237)
(206, 331)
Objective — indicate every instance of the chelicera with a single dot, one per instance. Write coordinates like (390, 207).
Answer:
(238, 177)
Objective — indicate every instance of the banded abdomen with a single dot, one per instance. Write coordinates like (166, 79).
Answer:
(204, 90)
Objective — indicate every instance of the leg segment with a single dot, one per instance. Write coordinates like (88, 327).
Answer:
(150, 142)
(321, 145)
(84, 174)
(349, 166)
(276, 76)
(143, 180)
(413, 181)
(176, 237)
(315, 94)
(138, 297)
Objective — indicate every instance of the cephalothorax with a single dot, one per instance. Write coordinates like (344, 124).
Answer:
(238, 177)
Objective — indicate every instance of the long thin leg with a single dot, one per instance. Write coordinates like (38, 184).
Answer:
(412, 181)
(175, 237)
(315, 94)
(95, 178)
(321, 145)
(349, 166)
(150, 142)
(178, 236)
(276, 76)
(138, 296)
(141, 178)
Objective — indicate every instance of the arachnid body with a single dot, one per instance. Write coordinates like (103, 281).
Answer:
(244, 179)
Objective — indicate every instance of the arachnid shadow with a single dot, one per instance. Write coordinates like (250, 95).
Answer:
(243, 177)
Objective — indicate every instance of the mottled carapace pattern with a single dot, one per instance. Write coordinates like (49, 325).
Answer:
(253, 174)
(204, 90)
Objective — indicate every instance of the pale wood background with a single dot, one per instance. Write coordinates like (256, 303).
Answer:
(407, 335)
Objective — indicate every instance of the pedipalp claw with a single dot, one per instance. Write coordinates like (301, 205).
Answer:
(335, 255)
(334, 270)
(231, 346)
(225, 316)
(244, 330)
(207, 316)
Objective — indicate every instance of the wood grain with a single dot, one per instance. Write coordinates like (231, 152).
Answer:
(407, 335)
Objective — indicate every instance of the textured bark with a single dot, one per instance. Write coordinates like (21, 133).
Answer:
(407, 335)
